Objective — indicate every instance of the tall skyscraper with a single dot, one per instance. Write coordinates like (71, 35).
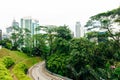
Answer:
(29, 24)
(77, 30)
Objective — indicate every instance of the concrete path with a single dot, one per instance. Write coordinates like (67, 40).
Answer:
(38, 72)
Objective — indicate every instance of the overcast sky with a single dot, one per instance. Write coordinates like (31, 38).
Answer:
(53, 12)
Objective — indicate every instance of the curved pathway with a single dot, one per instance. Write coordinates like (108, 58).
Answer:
(38, 72)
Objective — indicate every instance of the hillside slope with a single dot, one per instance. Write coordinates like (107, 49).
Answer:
(22, 63)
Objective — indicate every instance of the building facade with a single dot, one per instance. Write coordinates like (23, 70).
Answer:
(77, 29)
(10, 30)
(30, 24)
(79, 32)
(15, 24)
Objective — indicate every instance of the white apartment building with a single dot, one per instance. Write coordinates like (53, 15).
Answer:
(79, 31)
(30, 24)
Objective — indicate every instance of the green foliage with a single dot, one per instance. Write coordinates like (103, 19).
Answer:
(8, 61)
(111, 13)
(92, 34)
(50, 37)
(64, 32)
(80, 59)
(107, 20)
(22, 63)
(25, 50)
(109, 73)
(61, 46)
(20, 71)
(14, 37)
(60, 42)
(40, 48)
(85, 60)
(78, 63)
(57, 64)
(4, 73)
(18, 38)
(6, 43)
(117, 73)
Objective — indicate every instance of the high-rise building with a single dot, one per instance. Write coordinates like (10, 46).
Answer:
(15, 24)
(79, 30)
(30, 24)
(10, 30)
(4, 36)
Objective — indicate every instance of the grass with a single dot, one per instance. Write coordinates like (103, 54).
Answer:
(4, 52)
(19, 59)
(4, 72)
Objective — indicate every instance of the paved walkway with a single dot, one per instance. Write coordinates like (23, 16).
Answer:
(38, 72)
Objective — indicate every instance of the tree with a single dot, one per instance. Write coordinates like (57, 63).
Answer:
(47, 38)
(57, 38)
(17, 38)
(41, 49)
(50, 33)
(57, 64)
(107, 20)
(6, 43)
(82, 59)
(28, 41)
(61, 42)
(64, 32)
(14, 38)
(80, 62)
(92, 34)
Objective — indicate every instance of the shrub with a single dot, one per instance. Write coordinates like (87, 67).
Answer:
(20, 71)
(8, 61)
(8, 45)
(117, 73)
(4, 73)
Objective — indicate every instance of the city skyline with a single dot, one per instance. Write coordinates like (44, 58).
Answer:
(53, 12)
